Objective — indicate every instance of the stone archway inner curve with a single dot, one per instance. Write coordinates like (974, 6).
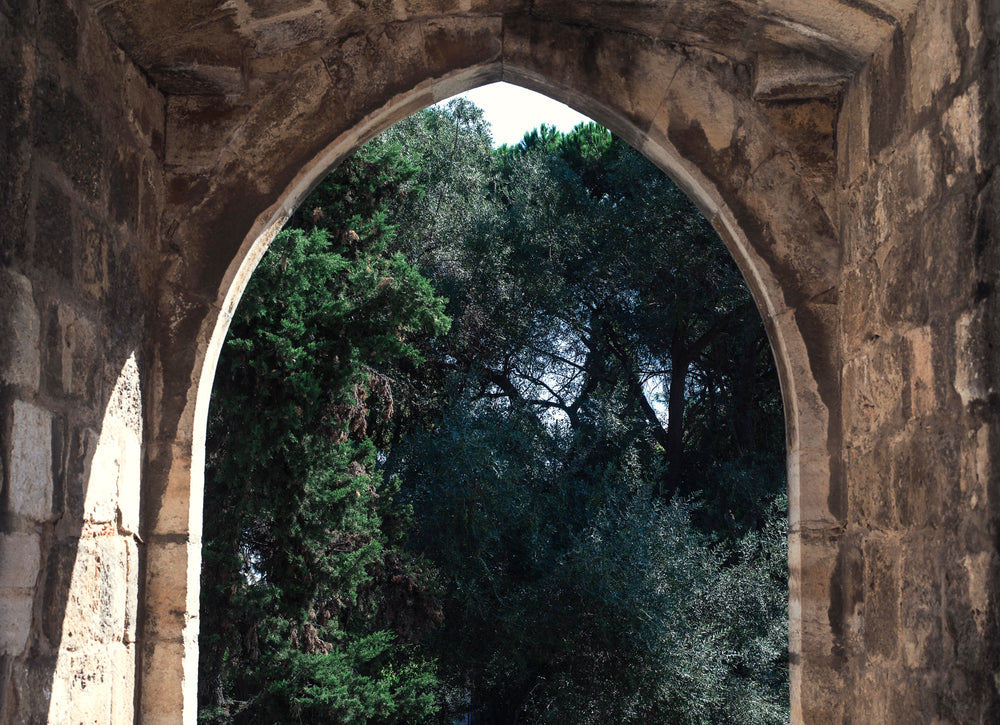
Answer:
(702, 127)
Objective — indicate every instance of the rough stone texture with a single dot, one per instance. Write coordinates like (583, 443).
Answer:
(82, 190)
(20, 558)
(844, 150)
(29, 491)
(15, 616)
(919, 434)
(19, 561)
(19, 349)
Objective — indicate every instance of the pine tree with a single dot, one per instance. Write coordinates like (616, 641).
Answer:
(300, 528)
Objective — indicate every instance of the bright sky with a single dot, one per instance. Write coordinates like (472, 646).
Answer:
(512, 111)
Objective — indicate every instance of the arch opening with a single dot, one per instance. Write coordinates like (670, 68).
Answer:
(617, 177)
(807, 415)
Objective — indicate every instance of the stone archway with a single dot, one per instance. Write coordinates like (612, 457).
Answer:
(697, 108)
(842, 149)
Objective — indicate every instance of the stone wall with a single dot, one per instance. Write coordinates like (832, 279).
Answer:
(914, 592)
(844, 150)
(81, 192)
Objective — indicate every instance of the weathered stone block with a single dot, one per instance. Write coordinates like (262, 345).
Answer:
(101, 64)
(933, 59)
(59, 25)
(82, 687)
(874, 390)
(125, 400)
(19, 332)
(124, 187)
(54, 238)
(977, 465)
(15, 620)
(923, 382)
(101, 490)
(923, 470)
(872, 699)
(970, 380)
(20, 558)
(30, 464)
(811, 424)
(921, 606)
(266, 8)
(151, 194)
(60, 460)
(197, 126)
(14, 154)
(60, 559)
(871, 500)
(901, 302)
(164, 693)
(962, 125)
(809, 488)
(81, 623)
(796, 223)
(860, 318)
(170, 469)
(111, 489)
(812, 559)
(865, 225)
(168, 569)
(915, 173)
(113, 585)
(148, 108)
(82, 443)
(967, 582)
(981, 568)
(533, 54)
(852, 129)
(68, 132)
(814, 606)
(32, 688)
(703, 107)
(122, 685)
(351, 61)
(94, 592)
(912, 698)
(71, 354)
(92, 273)
(882, 595)
(132, 590)
(950, 274)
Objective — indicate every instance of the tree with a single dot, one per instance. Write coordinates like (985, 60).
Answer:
(299, 524)
(574, 596)
(583, 272)
(587, 462)
(553, 490)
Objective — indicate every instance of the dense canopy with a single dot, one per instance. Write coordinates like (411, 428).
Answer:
(495, 431)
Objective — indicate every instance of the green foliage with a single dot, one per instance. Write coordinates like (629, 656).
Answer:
(581, 475)
(295, 510)
(546, 487)
(575, 597)
(580, 274)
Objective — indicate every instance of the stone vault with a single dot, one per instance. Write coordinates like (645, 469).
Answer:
(844, 149)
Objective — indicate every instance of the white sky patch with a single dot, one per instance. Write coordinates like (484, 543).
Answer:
(512, 111)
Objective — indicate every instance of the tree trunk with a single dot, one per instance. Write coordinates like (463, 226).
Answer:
(675, 418)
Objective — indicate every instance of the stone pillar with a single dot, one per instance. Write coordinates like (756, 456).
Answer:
(917, 576)
(81, 192)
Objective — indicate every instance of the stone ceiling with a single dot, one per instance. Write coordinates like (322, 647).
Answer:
(794, 48)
